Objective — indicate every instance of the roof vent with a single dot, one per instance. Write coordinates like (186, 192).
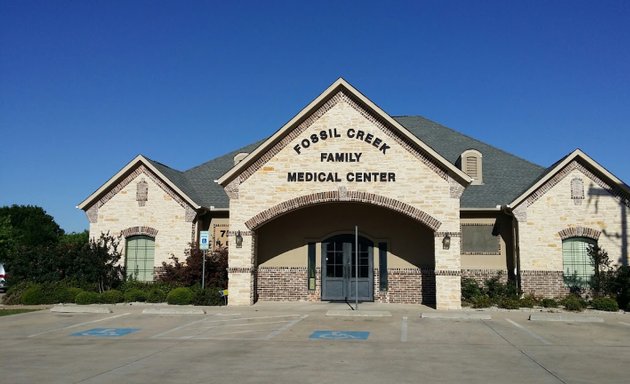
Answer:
(239, 157)
(471, 164)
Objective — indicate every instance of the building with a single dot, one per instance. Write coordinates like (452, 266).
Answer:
(431, 206)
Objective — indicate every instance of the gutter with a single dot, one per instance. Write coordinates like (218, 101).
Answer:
(515, 246)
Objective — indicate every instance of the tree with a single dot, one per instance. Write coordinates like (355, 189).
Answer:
(602, 276)
(30, 225)
(188, 273)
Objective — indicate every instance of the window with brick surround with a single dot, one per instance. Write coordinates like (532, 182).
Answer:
(139, 257)
(576, 264)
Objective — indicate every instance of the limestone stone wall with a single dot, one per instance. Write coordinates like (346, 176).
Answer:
(404, 180)
(161, 213)
(557, 209)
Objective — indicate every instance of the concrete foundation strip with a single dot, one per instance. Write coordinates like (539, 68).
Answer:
(565, 317)
(455, 315)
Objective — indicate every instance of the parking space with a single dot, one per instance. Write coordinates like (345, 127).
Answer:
(240, 343)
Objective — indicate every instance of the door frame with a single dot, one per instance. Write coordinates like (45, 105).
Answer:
(347, 280)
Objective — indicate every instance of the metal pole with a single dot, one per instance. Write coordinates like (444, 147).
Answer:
(203, 270)
(356, 267)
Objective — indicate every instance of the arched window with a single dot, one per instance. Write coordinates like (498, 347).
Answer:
(139, 257)
(576, 263)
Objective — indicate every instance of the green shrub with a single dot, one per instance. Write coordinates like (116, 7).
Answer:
(208, 296)
(180, 296)
(34, 295)
(573, 303)
(497, 290)
(528, 301)
(135, 294)
(72, 294)
(13, 296)
(481, 301)
(605, 304)
(112, 296)
(156, 295)
(549, 303)
(509, 303)
(87, 297)
(470, 289)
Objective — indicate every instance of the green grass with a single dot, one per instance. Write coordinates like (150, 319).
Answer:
(8, 312)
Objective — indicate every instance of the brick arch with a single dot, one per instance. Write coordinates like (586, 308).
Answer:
(579, 232)
(342, 196)
(140, 230)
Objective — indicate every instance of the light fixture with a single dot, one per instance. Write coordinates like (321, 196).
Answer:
(239, 240)
(446, 241)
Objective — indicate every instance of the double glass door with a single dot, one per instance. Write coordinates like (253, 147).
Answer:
(339, 269)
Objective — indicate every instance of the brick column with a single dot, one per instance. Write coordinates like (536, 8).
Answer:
(448, 289)
(241, 269)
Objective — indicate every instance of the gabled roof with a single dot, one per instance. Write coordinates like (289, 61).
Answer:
(505, 176)
(172, 178)
(553, 170)
(343, 86)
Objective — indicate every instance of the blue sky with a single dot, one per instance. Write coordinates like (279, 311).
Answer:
(85, 86)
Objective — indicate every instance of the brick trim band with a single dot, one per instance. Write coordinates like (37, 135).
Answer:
(579, 232)
(140, 230)
(334, 196)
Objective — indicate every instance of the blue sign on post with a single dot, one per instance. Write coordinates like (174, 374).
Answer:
(106, 332)
(340, 335)
(203, 240)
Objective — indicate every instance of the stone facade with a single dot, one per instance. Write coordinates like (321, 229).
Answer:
(407, 181)
(159, 213)
(557, 211)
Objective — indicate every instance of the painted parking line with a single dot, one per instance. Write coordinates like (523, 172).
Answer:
(532, 334)
(79, 325)
(220, 328)
(403, 330)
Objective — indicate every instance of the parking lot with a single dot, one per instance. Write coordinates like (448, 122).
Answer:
(313, 343)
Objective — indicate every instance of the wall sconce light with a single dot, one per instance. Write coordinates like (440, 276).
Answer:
(446, 241)
(239, 240)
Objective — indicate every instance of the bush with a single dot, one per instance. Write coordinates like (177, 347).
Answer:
(497, 290)
(605, 304)
(14, 293)
(208, 296)
(33, 295)
(112, 296)
(135, 294)
(87, 297)
(573, 303)
(549, 303)
(528, 301)
(180, 296)
(481, 301)
(72, 294)
(509, 303)
(470, 289)
(621, 286)
(156, 295)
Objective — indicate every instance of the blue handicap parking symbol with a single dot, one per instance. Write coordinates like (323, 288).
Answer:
(340, 335)
(106, 332)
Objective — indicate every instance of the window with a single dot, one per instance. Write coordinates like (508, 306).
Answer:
(382, 266)
(480, 239)
(139, 255)
(311, 267)
(576, 263)
(470, 163)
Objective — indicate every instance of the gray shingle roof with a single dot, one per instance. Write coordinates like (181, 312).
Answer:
(505, 176)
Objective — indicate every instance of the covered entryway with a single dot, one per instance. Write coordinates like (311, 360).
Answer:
(339, 268)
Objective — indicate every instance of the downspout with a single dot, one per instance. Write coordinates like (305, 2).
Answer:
(516, 256)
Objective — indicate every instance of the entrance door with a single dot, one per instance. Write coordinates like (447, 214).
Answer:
(338, 268)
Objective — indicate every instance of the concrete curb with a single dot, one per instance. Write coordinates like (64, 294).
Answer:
(80, 309)
(455, 316)
(173, 311)
(359, 313)
(565, 317)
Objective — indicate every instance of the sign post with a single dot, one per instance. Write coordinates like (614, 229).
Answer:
(203, 245)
